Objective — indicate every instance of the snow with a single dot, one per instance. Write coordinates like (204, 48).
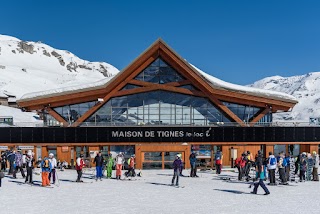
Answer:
(20, 118)
(151, 193)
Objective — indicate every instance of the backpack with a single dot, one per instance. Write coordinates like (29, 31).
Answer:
(46, 163)
(218, 156)
(273, 161)
(129, 160)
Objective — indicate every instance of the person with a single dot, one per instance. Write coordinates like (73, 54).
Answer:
(3, 161)
(287, 168)
(176, 170)
(249, 161)
(98, 160)
(282, 163)
(29, 166)
(11, 158)
(24, 160)
(181, 167)
(272, 165)
(315, 176)
(110, 164)
(309, 166)
(193, 161)
(131, 163)
(218, 161)
(240, 163)
(46, 168)
(79, 165)
(259, 175)
(18, 162)
(119, 164)
(303, 166)
(52, 173)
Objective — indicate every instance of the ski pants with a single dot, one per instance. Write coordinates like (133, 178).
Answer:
(193, 172)
(287, 172)
(3, 166)
(260, 183)
(11, 168)
(79, 172)
(45, 179)
(16, 170)
(272, 176)
(109, 171)
(315, 176)
(176, 175)
(53, 174)
(29, 175)
(282, 174)
(119, 170)
(218, 168)
(302, 175)
(98, 171)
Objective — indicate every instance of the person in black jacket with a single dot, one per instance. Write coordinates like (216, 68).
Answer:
(3, 161)
(260, 175)
(98, 160)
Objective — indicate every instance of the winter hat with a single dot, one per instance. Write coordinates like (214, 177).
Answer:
(51, 155)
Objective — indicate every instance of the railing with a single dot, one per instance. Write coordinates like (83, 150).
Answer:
(217, 124)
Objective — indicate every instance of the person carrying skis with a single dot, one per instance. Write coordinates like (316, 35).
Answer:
(46, 168)
(109, 165)
(79, 165)
(53, 162)
(119, 164)
(193, 161)
(98, 160)
(272, 165)
(177, 163)
(218, 161)
(29, 166)
(259, 175)
(18, 162)
(315, 176)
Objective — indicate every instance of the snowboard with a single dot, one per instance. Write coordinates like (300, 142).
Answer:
(292, 169)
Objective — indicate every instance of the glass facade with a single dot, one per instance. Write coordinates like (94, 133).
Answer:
(159, 72)
(129, 86)
(242, 111)
(72, 112)
(157, 108)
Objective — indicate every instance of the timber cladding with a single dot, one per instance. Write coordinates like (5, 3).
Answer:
(210, 135)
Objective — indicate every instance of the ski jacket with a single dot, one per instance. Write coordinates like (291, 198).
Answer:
(110, 162)
(24, 159)
(240, 162)
(132, 162)
(177, 164)
(303, 164)
(192, 159)
(53, 162)
(316, 161)
(46, 169)
(272, 158)
(29, 161)
(80, 164)
(119, 159)
(18, 159)
(98, 160)
(10, 156)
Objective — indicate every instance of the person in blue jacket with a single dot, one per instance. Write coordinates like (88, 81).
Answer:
(193, 160)
(259, 175)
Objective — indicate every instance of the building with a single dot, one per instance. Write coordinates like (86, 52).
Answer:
(156, 107)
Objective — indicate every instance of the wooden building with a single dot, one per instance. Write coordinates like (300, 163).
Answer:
(158, 106)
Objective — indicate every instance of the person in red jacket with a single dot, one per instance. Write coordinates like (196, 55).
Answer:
(240, 163)
(79, 165)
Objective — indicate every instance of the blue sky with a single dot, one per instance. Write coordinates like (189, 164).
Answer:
(239, 41)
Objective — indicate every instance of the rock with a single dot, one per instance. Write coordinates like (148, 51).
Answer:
(59, 57)
(45, 52)
(72, 66)
(13, 51)
(25, 47)
(104, 71)
(85, 67)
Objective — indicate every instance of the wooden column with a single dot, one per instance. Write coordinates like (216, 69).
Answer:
(314, 147)
(138, 154)
(64, 155)
(93, 148)
(269, 148)
(44, 151)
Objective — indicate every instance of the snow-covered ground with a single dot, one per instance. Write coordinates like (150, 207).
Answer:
(151, 193)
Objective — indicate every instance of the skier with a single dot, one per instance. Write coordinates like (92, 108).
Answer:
(272, 165)
(315, 176)
(193, 161)
(79, 165)
(53, 162)
(18, 162)
(24, 160)
(176, 170)
(131, 163)
(218, 161)
(98, 160)
(119, 164)
(11, 158)
(3, 161)
(309, 166)
(240, 164)
(282, 163)
(303, 166)
(29, 166)
(110, 164)
(46, 169)
(287, 168)
(259, 175)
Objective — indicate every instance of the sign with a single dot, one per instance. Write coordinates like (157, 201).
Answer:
(3, 147)
(26, 147)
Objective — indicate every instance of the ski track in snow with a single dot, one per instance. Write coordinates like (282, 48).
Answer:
(152, 194)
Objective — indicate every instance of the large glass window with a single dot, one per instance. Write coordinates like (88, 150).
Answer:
(157, 108)
(72, 112)
(245, 113)
(159, 72)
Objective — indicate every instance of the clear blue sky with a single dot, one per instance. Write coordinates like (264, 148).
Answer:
(239, 41)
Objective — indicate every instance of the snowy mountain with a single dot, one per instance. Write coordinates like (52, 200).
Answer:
(305, 88)
(27, 67)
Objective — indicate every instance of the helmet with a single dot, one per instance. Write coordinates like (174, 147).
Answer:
(51, 155)
(314, 152)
